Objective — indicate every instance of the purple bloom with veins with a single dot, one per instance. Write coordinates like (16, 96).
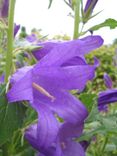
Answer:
(108, 81)
(46, 86)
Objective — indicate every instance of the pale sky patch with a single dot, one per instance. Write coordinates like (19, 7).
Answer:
(35, 14)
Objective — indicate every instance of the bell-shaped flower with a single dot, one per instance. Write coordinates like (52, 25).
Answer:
(46, 86)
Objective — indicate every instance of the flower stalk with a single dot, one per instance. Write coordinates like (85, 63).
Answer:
(10, 39)
(76, 19)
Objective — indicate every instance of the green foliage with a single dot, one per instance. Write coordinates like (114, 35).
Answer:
(106, 55)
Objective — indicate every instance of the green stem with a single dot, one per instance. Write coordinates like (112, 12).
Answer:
(76, 19)
(10, 39)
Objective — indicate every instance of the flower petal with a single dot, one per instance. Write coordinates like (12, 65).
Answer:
(65, 105)
(107, 97)
(22, 89)
(46, 48)
(69, 130)
(73, 149)
(44, 137)
(20, 73)
(68, 50)
(77, 60)
(70, 77)
(47, 129)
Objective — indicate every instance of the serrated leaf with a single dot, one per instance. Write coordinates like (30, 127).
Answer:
(111, 23)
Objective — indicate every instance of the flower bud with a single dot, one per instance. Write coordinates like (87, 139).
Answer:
(90, 5)
(108, 81)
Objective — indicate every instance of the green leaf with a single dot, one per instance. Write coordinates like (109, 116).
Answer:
(11, 118)
(50, 3)
(88, 100)
(111, 23)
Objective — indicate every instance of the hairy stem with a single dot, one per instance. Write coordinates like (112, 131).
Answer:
(10, 40)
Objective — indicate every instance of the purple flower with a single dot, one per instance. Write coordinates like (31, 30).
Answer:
(4, 8)
(108, 81)
(46, 86)
(106, 97)
(63, 145)
(90, 5)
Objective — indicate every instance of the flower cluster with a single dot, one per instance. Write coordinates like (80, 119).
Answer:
(46, 85)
